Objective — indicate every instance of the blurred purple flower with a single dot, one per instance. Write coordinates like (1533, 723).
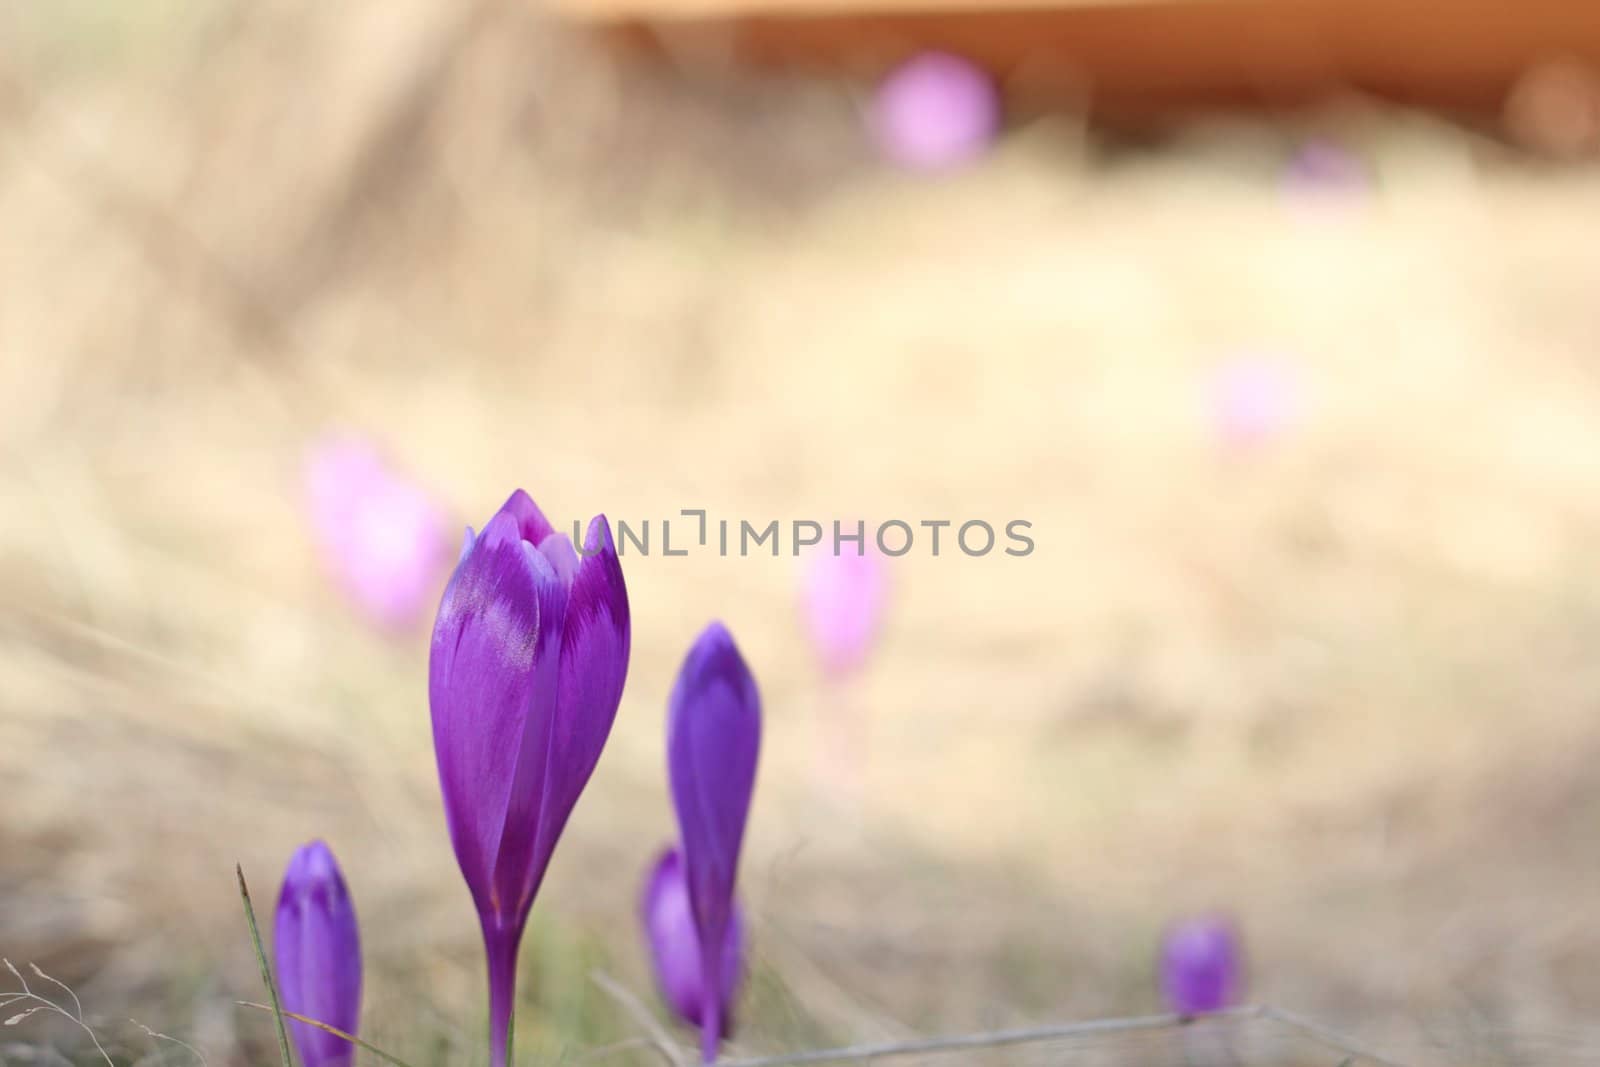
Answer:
(934, 112)
(843, 597)
(1202, 969)
(1321, 168)
(675, 945)
(713, 739)
(530, 651)
(318, 952)
(381, 536)
(1254, 400)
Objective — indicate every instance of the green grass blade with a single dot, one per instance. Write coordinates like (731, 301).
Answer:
(266, 970)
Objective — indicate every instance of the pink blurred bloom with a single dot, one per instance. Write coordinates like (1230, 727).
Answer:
(844, 598)
(381, 536)
(935, 112)
(1322, 172)
(1254, 400)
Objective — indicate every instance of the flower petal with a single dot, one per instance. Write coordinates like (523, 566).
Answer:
(675, 943)
(595, 643)
(557, 548)
(713, 740)
(488, 666)
(520, 866)
(531, 522)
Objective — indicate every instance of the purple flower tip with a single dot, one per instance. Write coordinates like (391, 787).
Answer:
(934, 112)
(713, 740)
(674, 943)
(530, 651)
(317, 948)
(381, 536)
(844, 595)
(1201, 965)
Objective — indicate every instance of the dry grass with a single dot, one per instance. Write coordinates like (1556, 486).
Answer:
(1346, 688)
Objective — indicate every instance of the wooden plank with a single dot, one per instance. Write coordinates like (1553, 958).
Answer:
(1140, 54)
(702, 9)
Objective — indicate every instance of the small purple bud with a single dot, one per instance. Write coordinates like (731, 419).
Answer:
(381, 536)
(713, 740)
(844, 597)
(530, 651)
(675, 945)
(1201, 966)
(935, 112)
(318, 952)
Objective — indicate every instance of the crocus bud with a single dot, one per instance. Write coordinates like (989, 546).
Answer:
(1201, 966)
(935, 112)
(713, 740)
(675, 945)
(844, 595)
(318, 952)
(530, 650)
(381, 536)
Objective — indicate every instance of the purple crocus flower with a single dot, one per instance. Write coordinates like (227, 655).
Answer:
(713, 739)
(529, 655)
(1201, 966)
(675, 945)
(318, 952)
(382, 537)
(935, 112)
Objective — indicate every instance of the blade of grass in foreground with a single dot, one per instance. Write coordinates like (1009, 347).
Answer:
(266, 971)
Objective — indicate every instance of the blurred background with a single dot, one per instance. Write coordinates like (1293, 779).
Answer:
(1288, 358)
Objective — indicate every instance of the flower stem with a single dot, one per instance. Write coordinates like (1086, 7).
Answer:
(500, 946)
(710, 999)
(710, 1025)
